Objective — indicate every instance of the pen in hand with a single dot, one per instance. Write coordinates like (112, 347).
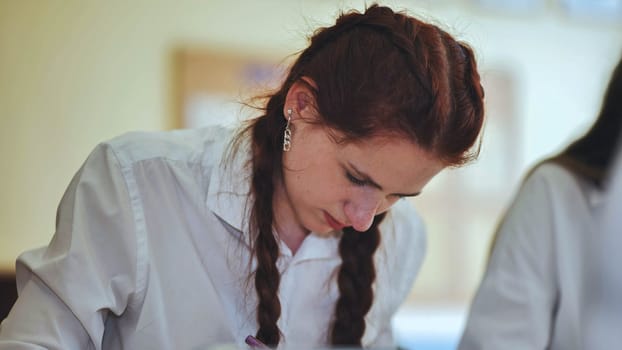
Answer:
(254, 343)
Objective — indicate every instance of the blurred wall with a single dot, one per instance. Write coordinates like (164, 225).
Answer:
(73, 73)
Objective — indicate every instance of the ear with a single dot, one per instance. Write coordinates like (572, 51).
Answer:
(300, 99)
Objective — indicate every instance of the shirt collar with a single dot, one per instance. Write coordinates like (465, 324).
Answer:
(227, 197)
(596, 197)
(229, 187)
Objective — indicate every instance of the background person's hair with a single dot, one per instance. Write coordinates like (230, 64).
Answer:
(377, 73)
(591, 155)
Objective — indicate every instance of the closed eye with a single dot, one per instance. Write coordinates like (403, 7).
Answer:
(354, 180)
(367, 181)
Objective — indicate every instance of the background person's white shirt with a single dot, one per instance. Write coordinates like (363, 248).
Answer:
(150, 253)
(602, 291)
(531, 294)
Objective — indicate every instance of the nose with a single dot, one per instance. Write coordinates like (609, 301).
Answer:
(360, 212)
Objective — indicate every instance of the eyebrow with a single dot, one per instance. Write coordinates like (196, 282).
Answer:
(373, 183)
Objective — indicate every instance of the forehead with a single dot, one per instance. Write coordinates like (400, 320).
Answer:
(393, 161)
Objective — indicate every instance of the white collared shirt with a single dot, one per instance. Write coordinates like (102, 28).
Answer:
(531, 294)
(150, 252)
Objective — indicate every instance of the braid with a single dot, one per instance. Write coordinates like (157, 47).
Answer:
(475, 92)
(355, 280)
(266, 161)
(467, 108)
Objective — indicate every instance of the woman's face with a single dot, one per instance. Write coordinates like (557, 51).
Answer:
(329, 185)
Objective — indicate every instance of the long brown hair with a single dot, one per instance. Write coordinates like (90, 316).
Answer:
(591, 155)
(375, 72)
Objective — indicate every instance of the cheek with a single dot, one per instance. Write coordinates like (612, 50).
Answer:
(326, 185)
(314, 187)
(324, 189)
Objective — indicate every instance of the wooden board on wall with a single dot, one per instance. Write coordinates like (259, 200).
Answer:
(208, 77)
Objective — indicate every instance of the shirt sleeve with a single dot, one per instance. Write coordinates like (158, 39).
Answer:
(514, 306)
(86, 273)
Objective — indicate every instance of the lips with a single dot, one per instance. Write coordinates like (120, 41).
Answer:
(332, 222)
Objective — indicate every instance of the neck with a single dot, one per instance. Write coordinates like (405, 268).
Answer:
(286, 222)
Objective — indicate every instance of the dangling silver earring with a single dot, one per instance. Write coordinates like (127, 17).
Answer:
(287, 135)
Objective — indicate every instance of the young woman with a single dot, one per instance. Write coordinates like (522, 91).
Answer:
(294, 232)
(532, 295)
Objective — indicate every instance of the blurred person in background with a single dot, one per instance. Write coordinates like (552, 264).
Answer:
(602, 289)
(532, 293)
(290, 229)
